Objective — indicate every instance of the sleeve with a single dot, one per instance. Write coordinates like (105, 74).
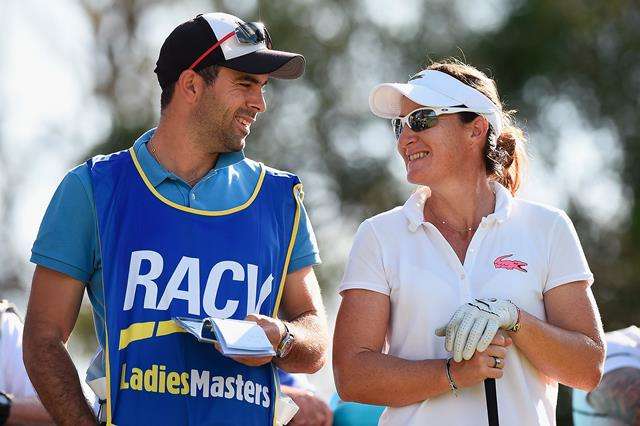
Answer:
(16, 379)
(621, 360)
(365, 267)
(567, 262)
(67, 238)
(305, 248)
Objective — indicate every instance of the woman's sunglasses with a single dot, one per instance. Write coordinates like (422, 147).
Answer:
(423, 118)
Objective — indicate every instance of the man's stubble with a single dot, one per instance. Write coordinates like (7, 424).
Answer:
(214, 128)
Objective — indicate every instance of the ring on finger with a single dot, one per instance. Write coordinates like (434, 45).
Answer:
(497, 362)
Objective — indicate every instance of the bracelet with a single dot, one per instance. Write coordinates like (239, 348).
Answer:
(517, 325)
(452, 383)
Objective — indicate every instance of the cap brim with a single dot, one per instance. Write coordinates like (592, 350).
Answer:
(276, 63)
(385, 99)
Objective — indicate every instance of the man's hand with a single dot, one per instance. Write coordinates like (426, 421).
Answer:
(474, 325)
(273, 328)
(312, 411)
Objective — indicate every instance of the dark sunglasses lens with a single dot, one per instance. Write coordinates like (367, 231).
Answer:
(262, 33)
(244, 33)
(253, 33)
(422, 120)
(396, 123)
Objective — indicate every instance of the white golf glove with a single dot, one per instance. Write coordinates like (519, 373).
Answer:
(474, 325)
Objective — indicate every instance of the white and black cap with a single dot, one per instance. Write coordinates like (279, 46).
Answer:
(225, 40)
(432, 88)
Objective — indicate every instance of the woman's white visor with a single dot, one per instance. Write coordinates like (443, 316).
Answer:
(433, 89)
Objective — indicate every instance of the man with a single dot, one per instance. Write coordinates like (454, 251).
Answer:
(181, 224)
(616, 400)
(19, 403)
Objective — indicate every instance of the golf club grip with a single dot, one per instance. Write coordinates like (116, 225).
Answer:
(492, 401)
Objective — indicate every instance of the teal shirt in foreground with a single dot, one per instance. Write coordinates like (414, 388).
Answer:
(67, 241)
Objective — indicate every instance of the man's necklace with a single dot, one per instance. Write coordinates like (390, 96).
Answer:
(154, 154)
(445, 223)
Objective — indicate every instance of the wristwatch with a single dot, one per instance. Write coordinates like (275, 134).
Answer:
(5, 407)
(285, 345)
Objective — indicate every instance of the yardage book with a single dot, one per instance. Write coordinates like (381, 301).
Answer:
(236, 337)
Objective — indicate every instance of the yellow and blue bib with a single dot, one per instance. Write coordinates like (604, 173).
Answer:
(162, 260)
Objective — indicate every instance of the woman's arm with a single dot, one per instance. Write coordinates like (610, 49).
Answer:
(364, 374)
(569, 347)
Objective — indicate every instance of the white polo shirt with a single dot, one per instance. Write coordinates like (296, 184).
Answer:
(13, 376)
(518, 253)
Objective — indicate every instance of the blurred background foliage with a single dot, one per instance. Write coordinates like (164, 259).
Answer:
(569, 68)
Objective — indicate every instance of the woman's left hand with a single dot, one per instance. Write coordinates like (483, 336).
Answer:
(474, 325)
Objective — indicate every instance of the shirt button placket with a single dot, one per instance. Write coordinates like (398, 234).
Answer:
(464, 284)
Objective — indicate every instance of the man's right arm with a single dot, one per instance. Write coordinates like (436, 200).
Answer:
(51, 315)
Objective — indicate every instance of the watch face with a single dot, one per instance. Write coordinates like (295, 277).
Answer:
(286, 346)
(4, 399)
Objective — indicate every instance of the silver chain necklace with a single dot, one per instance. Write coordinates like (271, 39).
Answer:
(445, 223)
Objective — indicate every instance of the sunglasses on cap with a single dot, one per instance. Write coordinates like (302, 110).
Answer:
(246, 33)
(423, 118)
(253, 33)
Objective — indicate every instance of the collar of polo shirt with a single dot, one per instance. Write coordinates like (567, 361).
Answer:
(413, 208)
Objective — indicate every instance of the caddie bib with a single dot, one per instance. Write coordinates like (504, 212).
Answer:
(162, 260)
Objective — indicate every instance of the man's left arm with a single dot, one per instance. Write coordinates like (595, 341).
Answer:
(305, 317)
(303, 310)
(618, 395)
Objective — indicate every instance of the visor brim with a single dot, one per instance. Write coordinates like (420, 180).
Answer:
(276, 63)
(385, 99)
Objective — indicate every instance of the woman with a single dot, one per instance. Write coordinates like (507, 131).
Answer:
(463, 257)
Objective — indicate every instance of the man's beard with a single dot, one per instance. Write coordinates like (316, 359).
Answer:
(218, 134)
(232, 142)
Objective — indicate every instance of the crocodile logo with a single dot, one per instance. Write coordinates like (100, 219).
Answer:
(502, 262)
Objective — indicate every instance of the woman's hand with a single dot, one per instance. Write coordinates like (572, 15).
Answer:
(474, 324)
(482, 365)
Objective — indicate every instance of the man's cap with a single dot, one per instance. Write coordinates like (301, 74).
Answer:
(432, 88)
(210, 39)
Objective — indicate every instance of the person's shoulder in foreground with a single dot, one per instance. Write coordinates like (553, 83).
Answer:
(616, 400)
(19, 403)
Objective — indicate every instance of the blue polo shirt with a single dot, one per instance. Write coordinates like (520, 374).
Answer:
(67, 241)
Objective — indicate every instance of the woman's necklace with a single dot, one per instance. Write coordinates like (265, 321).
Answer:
(154, 154)
(445, 223)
